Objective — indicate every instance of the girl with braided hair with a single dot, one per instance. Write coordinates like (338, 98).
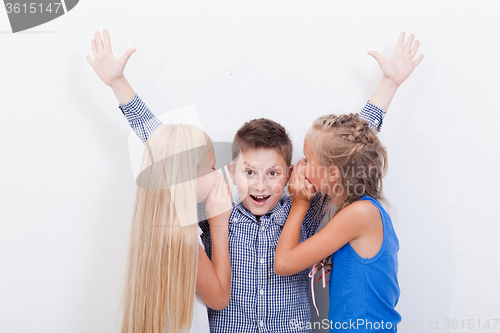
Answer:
(345, 163)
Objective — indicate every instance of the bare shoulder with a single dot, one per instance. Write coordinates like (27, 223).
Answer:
(371, 232)
(362, 211)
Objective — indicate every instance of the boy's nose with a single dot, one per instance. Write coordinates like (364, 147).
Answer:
(260, 183)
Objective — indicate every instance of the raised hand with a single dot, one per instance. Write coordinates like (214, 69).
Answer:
(398, 67)
(107, 67)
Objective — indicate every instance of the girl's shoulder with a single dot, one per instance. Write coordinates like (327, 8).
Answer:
(360, 217)
(369, 243)
(363, 210)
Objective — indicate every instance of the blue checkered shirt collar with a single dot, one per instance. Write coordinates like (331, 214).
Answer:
(277, 213)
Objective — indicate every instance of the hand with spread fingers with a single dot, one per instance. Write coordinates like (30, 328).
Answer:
(398, 67)
(110, 69)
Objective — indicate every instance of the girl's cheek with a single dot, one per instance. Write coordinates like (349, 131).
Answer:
(307, 172)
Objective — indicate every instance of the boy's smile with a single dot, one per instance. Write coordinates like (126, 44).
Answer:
(260, 176)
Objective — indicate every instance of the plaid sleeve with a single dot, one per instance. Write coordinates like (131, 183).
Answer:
(140, 118)
(206, 238)
(313, 216)
(373, 115)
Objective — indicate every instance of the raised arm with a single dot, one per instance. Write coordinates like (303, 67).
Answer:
(110, 71)
(396, 69)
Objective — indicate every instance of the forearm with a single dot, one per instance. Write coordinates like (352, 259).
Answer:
(122, 90)
(289, 239)
(384, 93)
(373, 112)
(220, 259)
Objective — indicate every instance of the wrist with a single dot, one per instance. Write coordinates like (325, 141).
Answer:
(302, 202)
(219, 232)
(389, 83)
(384, 93)
(217, 225)
(118, 83)
(122, 90)
(300, 207)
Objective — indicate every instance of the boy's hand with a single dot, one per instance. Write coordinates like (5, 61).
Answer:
(300, 189)
(109, 69)
(398, 67)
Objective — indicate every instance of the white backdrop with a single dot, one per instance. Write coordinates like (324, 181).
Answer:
(67, 190)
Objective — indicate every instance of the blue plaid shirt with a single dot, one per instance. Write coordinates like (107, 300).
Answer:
(260, 301)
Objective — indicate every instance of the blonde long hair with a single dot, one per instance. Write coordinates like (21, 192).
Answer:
(160, 280)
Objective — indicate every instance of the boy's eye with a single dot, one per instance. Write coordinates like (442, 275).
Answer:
(273, 173)
(249, 172)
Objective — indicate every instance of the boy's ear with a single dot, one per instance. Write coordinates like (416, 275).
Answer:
(232, 171)
(289, 173)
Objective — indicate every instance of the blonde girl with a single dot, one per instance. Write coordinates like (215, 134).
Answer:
(345, 161)
(169, 277)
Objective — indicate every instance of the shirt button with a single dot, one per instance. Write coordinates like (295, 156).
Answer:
(262, 228)
(262, 292)
(261, 323)
(261, 261)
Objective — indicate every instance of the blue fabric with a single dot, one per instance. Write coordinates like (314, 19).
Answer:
(364, 292)
(261, 301)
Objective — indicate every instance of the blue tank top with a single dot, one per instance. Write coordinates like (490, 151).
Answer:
(364, 292)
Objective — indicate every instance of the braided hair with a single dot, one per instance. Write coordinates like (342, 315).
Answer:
(347, 142)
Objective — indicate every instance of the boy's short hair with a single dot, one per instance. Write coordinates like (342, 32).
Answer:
(263, 133)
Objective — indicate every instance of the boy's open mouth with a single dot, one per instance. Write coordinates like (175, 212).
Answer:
(260, 200)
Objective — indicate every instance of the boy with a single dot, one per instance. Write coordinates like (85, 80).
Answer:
(261, 301)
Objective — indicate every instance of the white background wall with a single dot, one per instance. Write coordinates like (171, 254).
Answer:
(67, 188)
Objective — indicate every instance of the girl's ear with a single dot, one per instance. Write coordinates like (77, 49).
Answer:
(232, 171)
(334, 174)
